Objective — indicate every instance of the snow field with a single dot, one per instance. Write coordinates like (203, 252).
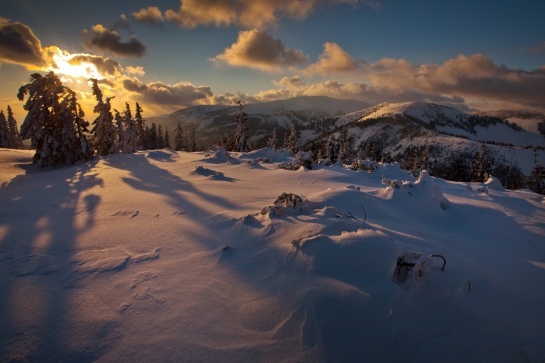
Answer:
(172, 256)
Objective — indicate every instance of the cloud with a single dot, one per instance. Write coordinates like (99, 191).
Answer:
(334, 60)
(179, 94)
(152, 15)
(19, 45)
(109, 40)
(138, 70)
(257, 49)
(475, 76)
(249, 14)
(105, 66)
(290, 82)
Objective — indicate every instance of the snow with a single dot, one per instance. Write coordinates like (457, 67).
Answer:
(174, 256)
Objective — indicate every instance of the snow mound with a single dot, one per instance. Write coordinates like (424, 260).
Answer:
(219, 155)
(287, 204)
(267, 155)
(494, 184)
(211, 174)
(423, 189)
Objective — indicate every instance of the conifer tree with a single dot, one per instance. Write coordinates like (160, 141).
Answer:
(160, 138)
(179, 138)
(131, 131)
(273, 140)
(4, 131)
(75, 146)
(291, 141)
(152, 137)
(15, 138)
(167, 138)
(120, 131)
(240, 139)
(104, 133)
(192, 145)
(141, 127)
(54, 122)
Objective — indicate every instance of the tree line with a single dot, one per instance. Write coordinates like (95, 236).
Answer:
(57, 129)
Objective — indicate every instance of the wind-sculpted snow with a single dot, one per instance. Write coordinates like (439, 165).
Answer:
(155, 257)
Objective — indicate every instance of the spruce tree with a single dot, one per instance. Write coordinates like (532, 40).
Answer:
(192, 145)
(152, 137)
(4, 131)
(131, 131)
(179, 138)
(273, 140)
(291, 141)
(54, 122)
(167, 138)
(14, 136)
(120, 131)
(240, 139)
(160, 138)
(104, 132)
(141, 128)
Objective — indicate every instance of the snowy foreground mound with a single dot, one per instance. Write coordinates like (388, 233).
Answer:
(162, 256)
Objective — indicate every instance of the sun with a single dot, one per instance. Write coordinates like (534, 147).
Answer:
(64, 66)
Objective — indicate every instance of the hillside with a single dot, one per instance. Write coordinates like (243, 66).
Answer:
(175, 256)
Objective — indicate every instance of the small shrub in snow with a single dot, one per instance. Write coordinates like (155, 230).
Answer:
(287, 204)
(366, 165)
(390, 182)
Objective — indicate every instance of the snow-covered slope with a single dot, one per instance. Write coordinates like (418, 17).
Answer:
(527, 119)
(165, 256)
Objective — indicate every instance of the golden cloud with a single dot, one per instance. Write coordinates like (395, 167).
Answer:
(257, 49)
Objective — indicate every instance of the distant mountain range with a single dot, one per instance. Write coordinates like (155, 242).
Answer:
(403, 132)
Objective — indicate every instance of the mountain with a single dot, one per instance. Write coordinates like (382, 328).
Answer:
(450, 143)
(530, 120)
(211, 121)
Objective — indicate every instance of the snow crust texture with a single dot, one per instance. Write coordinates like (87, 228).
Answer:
(208, 257)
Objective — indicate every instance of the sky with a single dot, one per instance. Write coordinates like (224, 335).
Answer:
(168, 54)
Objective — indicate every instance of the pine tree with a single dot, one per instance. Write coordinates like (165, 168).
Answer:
(167, 138)
(132, 140)
(141, 127)
(54, 122)
(160, 138)
(14, 135)
(291, 141)
(273, 140)
(152, 137)
(75, 146)
(120, 131)
(179, 138)
(240, 139)
(104, 133)
(4, 131)
(192, 145)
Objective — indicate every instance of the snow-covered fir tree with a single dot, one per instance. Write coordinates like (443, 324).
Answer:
(238, 143)
(104, 132)
(13, 132)
(160, 138)
(120, 131)
(291, 140)
(75, 146)
(179, 139)
(273, 140)
(132, 140)
(4, 131)
(167, 138)
(192, 144)
(54, 122)
(141, 127)
(152, 137)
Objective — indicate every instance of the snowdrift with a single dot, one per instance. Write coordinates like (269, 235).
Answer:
(173, 256)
